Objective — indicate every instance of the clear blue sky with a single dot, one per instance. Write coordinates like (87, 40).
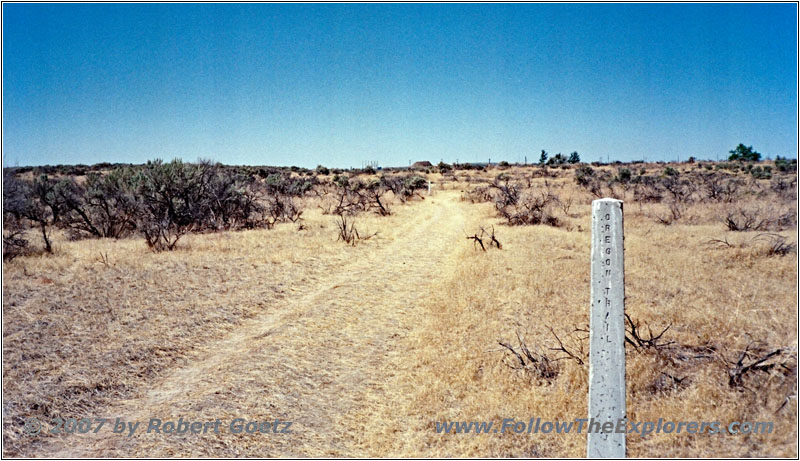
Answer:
(339, 84)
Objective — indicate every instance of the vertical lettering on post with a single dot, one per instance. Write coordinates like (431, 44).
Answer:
(607, 329)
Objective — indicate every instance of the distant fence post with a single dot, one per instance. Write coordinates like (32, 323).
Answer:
(429, 187)
(607, 332)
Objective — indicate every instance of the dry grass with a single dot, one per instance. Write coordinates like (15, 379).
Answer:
(81, 332)
(365, 347)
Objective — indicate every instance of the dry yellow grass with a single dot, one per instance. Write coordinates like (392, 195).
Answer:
(365, 347)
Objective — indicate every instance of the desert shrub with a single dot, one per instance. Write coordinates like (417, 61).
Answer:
(264, 172)
(518, 203)
(404, 187)
(786, 190)
(15, 202)
(776, 244)
(676, 211)
(175, 198)
(759, 219)
(353, 195)
(347, 199)
(373, 192)
(648, 189)
(594, 182)
(347, 231)
(413, 183)
(712, 185)
(584, 175)
(680, 190)
(76, 217)
(284, 184)
(761, 173)
(484, 239)
(523, 206)
(279, 208)
(624, 175)
(232, 200)
(112, 202)
(160, 201)
(171, 201)
(42, 207)
(42, 204)
(478, 194)
(785, 165)
(532, 209)
(504, 191)
(469, 166)
(96, 209)
(14, 243)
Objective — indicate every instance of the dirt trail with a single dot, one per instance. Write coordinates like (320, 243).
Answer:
(310, 362)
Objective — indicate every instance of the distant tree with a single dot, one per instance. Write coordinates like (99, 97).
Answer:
(543, 158)
(323, 170)
(557, 159)
(574, 158)
(744, 153)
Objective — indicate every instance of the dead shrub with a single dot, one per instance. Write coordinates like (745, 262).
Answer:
(490, 238)
(539, 365)
(348, 232)
(744, 219)
(776, 244)
(757, 360)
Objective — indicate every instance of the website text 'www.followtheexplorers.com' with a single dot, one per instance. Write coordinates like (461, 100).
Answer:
(588, 425)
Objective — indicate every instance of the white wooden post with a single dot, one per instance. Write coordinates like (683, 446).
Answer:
(607, 331)
(429, 187)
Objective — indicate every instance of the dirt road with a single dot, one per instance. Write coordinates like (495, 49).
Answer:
(311, 362)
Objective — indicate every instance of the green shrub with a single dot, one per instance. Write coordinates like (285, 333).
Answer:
(583, 175)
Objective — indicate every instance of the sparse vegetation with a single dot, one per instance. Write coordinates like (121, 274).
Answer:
(711, 300)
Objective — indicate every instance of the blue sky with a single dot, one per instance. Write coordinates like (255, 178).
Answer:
(341, 84)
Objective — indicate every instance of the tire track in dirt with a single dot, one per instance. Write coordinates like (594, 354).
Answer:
(311, 361)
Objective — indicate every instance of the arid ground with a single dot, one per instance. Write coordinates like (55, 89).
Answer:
(364, 347)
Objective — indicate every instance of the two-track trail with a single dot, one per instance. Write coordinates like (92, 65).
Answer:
(310, 361)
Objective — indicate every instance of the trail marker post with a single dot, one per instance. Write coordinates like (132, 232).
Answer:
(607, 332)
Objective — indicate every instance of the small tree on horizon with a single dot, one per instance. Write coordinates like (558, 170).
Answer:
(543, 158)
(574, 158)
(744, 153)
(558, 159)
